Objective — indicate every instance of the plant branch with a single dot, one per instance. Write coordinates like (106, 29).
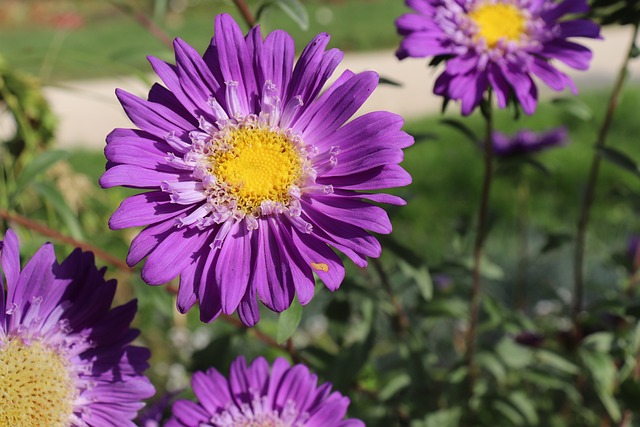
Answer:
(56, 235)
(400, 319)
(589, 195)
(288, 348)
(245, 12)
(478, 247)
(145, 22)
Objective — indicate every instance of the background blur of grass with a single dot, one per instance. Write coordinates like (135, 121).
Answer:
(111, 42)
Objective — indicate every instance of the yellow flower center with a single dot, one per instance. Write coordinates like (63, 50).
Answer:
(36, 388)
(261, 165)
(499, 21)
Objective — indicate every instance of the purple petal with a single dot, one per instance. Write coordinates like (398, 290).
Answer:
(144, 209)
(173, 255)
(232, 269)
(277, 60)
(329, 113)
(153, 118)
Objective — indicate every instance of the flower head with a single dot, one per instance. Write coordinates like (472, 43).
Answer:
(262, 396)
(253, 173)
(65, 356)
(497, 44)
(527, 141)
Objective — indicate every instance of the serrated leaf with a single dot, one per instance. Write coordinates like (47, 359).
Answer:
(288, 321)
(296, 11)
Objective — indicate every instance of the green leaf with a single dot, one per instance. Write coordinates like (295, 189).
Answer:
(619, 158)
(492, 364)
(575, 107)
(387, 81)
(555, 361)
(397, 383)
(525, 405)
(48, 192)
(599, 341)
(488, 269)
(443, 418)
(463, 129)
(509, 412)
(513, 355)
(602, 368)
(288, 321)
(421, 277)
(38, 166)
(296, 11)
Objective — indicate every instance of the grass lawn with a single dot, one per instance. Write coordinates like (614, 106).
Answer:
(116, 44)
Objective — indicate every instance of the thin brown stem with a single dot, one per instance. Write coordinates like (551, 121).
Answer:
(56, 235)
(145, 22)
(288, 348)
(400, 319)
(589, 194)
(478, 247)
(245, 12)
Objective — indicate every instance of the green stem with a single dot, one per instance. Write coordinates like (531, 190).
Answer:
(589, 194)
(478, 247)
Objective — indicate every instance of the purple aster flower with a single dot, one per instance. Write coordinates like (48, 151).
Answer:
(253, 172)
(498, 44)
(257, 396)
(65, 358)
(527, 141)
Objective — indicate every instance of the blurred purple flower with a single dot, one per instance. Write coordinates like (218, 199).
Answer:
(65, 355)
(632, 248)
(498, 44)
(254, 174)
(260, 395)
(527, 141)
(529, 339)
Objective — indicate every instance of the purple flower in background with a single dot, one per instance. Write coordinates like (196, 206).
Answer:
(632, 248)
(498, 44)
(527, 141)
(65, 356)
(253, 173)
(260, 396)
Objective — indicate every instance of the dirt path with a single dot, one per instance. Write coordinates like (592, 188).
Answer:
(88, 110)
